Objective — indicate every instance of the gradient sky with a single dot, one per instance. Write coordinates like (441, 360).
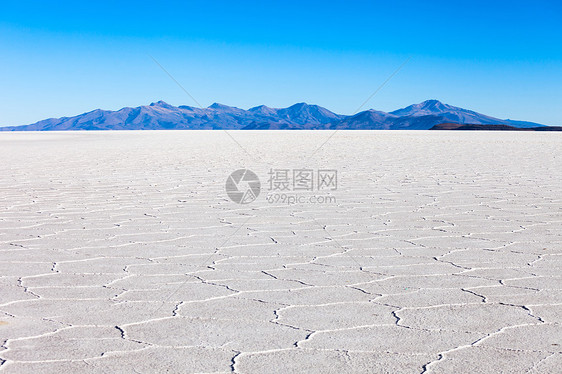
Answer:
(499, 58)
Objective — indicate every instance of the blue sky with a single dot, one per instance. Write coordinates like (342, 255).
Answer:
(500, 58)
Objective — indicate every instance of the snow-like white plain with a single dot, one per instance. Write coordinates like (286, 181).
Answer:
(120, 252)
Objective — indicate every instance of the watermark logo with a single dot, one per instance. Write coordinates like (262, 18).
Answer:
(285, 186)
(243, 186)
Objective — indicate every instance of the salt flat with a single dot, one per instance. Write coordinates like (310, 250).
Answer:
(120, 252)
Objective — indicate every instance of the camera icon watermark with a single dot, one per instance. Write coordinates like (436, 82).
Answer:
(243, 186)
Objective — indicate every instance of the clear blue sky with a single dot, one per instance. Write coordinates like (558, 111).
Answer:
(64, 58)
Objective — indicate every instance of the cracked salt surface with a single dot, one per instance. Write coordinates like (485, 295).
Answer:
(120, 252)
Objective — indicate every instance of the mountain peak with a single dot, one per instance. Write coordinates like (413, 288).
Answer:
(263, 110)
(219, 106)
(298, 106)
(259, 107)
(225, 109)
(162, 104)
(432, 106)
(430, 102)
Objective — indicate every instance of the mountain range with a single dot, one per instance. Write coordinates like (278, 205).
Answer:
(163, 116)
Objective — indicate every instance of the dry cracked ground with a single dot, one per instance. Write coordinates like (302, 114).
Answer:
(121, 253)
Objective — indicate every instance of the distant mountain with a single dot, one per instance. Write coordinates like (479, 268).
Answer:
(369, 119)
(448, 113)
(303, 113)
(163, 116)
